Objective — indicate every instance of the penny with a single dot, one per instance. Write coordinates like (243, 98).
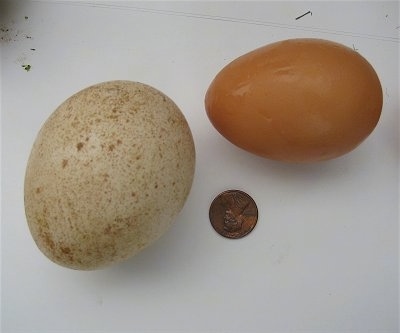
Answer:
(233, 214)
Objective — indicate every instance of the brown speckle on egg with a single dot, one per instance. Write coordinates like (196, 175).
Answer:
(79, 146)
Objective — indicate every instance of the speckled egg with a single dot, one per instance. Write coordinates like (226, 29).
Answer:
(107, 175)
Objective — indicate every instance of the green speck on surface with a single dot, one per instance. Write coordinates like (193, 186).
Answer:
(27, 67)
(26, 17)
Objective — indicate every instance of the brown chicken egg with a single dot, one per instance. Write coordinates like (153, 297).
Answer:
(298, 100)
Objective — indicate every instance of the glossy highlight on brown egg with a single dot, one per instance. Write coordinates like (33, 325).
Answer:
(297, 100)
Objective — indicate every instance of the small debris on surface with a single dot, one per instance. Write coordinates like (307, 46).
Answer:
(27, 67)
(299, 17)
(5, 34)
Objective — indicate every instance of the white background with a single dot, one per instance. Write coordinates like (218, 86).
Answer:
(324, 254)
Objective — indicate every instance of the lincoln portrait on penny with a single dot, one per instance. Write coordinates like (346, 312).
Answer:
(235, 206)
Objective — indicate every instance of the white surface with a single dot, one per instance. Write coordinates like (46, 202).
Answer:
(324, 255)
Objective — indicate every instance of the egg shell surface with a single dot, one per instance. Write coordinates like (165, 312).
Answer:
(108, 173)
(297, 100)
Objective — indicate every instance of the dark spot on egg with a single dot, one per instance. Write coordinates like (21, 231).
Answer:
(79, 146)
(65, 250)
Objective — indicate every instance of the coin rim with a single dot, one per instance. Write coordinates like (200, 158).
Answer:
(229, 235)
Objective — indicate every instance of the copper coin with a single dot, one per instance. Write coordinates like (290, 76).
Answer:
(233, 214)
